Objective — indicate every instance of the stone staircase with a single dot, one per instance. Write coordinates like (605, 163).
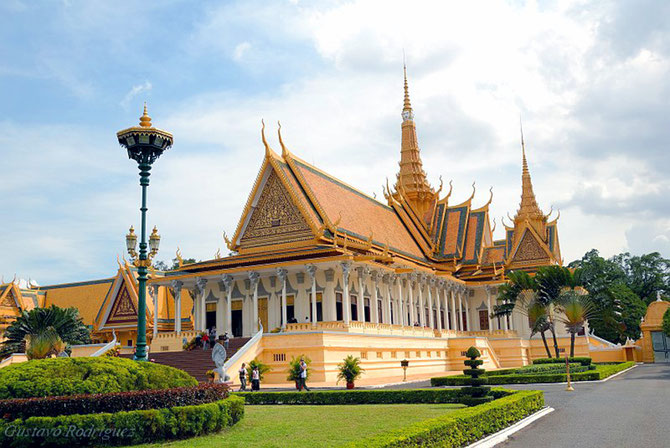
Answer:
(197, 361)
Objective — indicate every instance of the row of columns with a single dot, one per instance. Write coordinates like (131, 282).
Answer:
(398, 307)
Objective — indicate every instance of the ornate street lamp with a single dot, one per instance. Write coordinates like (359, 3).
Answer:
(144, 144)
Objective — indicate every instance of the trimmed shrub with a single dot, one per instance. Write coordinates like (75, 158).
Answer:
(462, 427)
(70, 376)
(584, 360)
(121, 428)
(346, 397)
(476, 389)
(115, 402)
(601, 372)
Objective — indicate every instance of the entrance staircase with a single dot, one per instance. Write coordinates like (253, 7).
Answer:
(196, 362)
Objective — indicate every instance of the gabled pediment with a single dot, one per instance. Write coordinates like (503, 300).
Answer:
(272, 215)
(119, 308)
(530, 250)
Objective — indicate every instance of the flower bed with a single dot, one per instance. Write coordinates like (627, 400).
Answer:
(461, 427)
(114, 402)
(121, 428)
(600, 372)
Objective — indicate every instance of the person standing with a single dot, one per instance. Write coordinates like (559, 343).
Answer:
(303, 374)
(243, 377)
(205, 340)
(225, 341)
(255, 379)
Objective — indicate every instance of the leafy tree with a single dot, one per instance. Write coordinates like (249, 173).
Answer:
(647, 275)
(44, 328)
(666, 322)
(163, 266)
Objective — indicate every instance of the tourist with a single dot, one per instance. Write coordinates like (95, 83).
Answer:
(243, 377)
(198, 340)
(303, 375)
(225, 340)
(255, 379)
(205, 340)
(212, 337)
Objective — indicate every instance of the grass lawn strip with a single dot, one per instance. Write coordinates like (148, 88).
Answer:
(316, 425)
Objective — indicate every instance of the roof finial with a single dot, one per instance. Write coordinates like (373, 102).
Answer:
(407, 106)
(523, 149)
(265, 142)
(145, 119)
(281, 142)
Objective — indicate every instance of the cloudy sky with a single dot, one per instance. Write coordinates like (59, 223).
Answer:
(590, 81)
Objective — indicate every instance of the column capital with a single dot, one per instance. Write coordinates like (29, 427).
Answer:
(432, 281)
(374, 276)
(176, 285)
(227, 280)
(200, 284)
(253, 278)
(412, 277)
(311, 270)
(346, 267)
(153, 289)
(282, 274)
(363, 271)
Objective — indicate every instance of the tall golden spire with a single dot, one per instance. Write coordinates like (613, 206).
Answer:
(145, 119)
(411, 180)
(528, 208)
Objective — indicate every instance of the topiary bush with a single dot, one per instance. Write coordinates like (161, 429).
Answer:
(477, 390)
(70, 376)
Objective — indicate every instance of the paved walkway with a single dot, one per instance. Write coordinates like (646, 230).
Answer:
(630, 410)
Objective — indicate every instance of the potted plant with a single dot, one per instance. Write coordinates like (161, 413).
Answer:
(294, 370)
(262, 369)
(350, 370)
(210, 376)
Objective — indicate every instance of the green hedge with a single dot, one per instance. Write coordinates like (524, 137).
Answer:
(461, 427)
(70, 376)
(583, 360)
(347, 397)
(121, 428)
(602, 371)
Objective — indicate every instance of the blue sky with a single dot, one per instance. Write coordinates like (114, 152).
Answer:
(590, 81)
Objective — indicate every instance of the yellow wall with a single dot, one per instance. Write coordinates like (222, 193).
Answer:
(652, 322)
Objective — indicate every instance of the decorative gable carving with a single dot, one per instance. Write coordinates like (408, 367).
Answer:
(123, 309)
(9, 301)
(530, 250)
(275, 219)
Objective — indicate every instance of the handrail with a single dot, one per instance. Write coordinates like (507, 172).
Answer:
(106, 347)
(603, 341)
(245, 348)
(8, 360)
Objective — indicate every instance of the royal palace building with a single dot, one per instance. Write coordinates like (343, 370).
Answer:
(325, 270)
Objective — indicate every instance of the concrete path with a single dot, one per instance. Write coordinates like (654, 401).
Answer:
(627, 411)
(630, 410)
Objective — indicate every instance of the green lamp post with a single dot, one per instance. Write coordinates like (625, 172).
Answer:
(144, 144)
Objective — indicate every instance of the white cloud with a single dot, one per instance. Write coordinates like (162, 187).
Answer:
(240, 50)
(135, 91)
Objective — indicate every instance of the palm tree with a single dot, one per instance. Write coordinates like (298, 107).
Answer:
(45, 330)
(575, 309)
(520, 292)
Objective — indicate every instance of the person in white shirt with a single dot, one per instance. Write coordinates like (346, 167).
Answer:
(303, 374)
(255, 379)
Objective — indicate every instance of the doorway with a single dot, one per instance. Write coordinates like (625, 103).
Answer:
(210, 315)
(236, 318)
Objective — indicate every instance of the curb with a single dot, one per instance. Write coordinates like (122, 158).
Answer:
(501, 436)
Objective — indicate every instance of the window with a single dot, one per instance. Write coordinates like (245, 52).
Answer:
(279, 357)
(364, 355)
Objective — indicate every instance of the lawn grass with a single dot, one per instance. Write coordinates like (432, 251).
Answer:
(312, 426)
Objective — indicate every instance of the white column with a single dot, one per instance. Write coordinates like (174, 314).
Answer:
(346, 305)
(466, 301)
(153, 290)
(438, 299)
(311, 270)
(454, 317)
(389, 282)
(401, 301)
(374, 309)
(431, 318)
(361, 296)
(410, 287)
(227, 280)
(176, 291)
(488, 307)
(282, 275)
(201, 286)
(460, 310)
(422, 311)
(253, 278)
